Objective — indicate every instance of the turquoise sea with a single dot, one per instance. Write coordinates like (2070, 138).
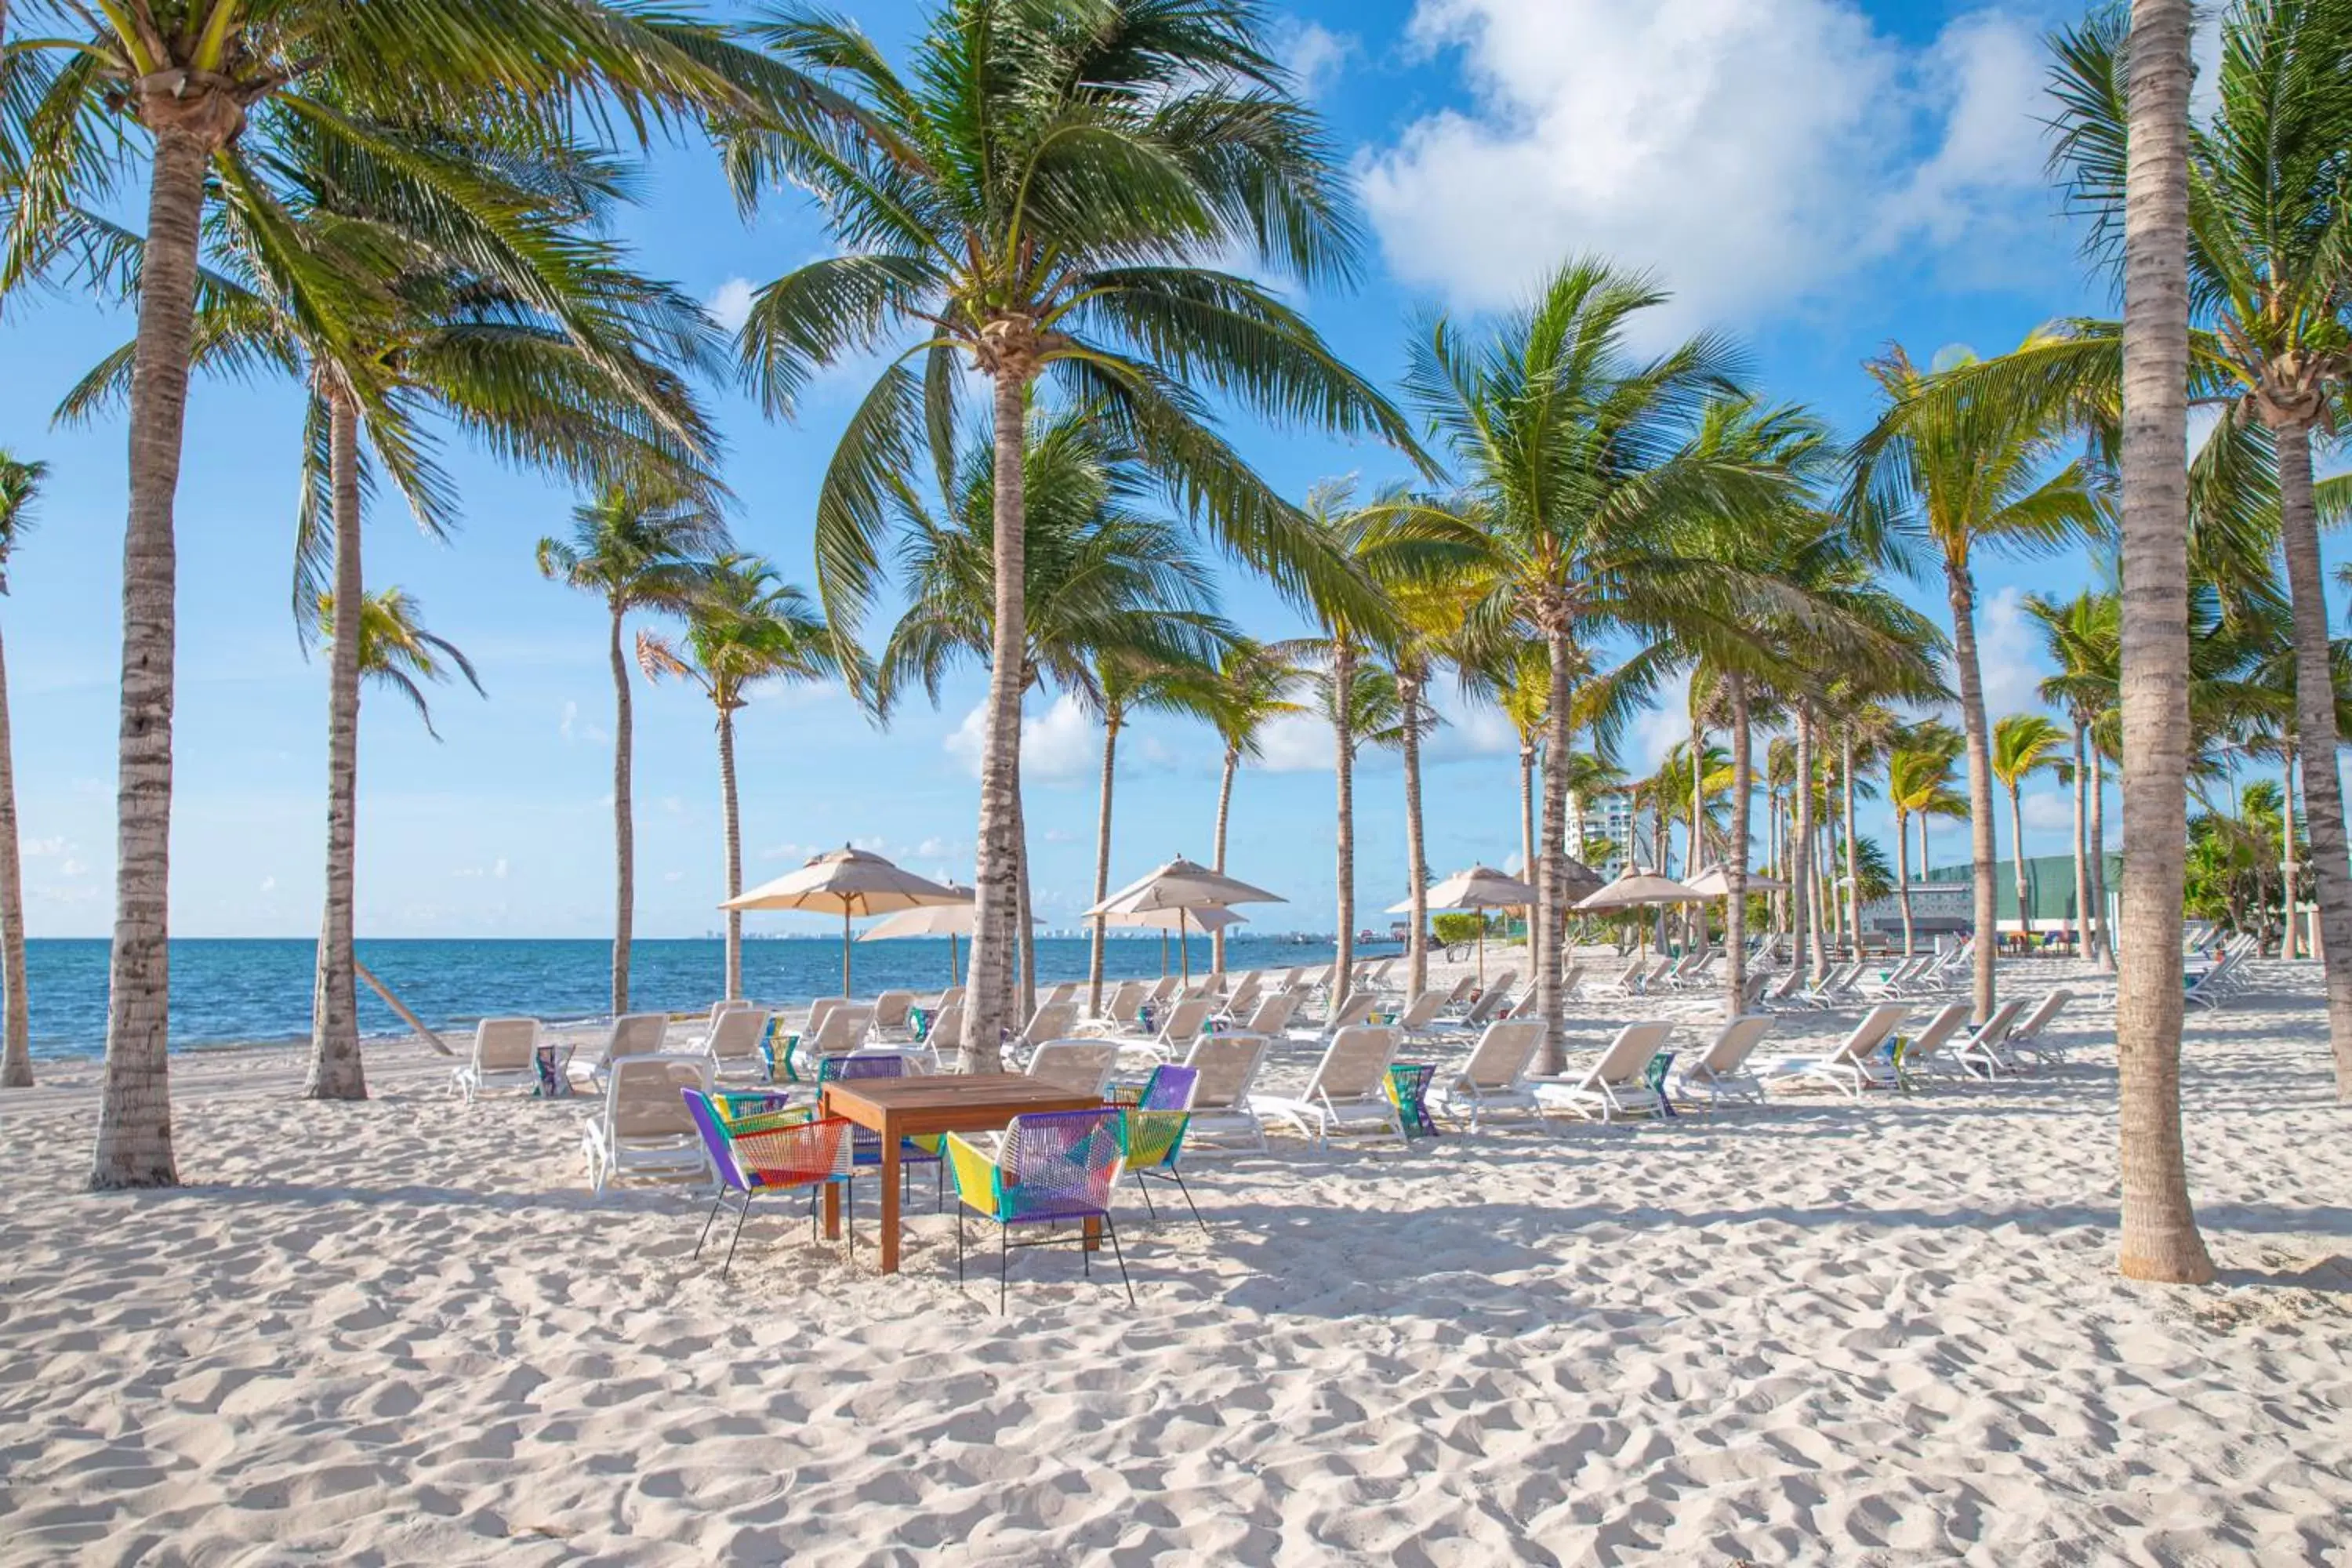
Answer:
(227, 991)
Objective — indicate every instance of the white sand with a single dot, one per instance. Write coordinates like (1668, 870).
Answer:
(402, 1331)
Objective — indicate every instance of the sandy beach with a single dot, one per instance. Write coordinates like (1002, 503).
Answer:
(402, 1331)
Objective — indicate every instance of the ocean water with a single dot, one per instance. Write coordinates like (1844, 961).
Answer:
(227, 991)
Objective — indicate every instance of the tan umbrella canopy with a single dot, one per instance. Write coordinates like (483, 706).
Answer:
(1579, 878)
(1714, 883)
(1208, 917)
(848, 882)
(1183, 886)
(1632, 888)
(950, 920)
(1479, 888)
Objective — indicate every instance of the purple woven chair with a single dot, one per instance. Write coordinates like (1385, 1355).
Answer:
(809, 1154)
(865, 1146)
(1052, 1168)
(1151, 1134)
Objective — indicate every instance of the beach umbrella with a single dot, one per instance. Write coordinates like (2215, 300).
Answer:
(1208, 917)
(950, 920)
(1578, 880)
(1182, 886)
(1632, 888)
(1479, 888)
(1712, 883)
(848, 882)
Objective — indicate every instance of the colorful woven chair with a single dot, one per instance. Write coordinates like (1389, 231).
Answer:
(1152, 1130)
(1051, 1168)
(866, 1147)
(806, 1155)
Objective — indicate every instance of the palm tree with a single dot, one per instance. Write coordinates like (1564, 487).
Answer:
(1429, 625)
(637, 548)
(1101, 576)
(744, 625)
(1078, 166)
(2082, 636)
(1123, 687)
(1580, 463)
(1919, 783)
(1252, 690)
(1982, 480)
(215, 84)
(426, 269)
(20, 482)
(398, 653)
(2022, 744)
(1358, 697)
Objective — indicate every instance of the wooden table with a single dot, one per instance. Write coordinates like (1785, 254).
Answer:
(900, 1108)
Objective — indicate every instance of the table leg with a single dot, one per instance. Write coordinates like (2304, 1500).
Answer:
(1092, 1230)
(890, 1176)
(832, 1211)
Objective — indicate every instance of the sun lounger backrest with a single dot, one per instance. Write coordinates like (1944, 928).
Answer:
(946, 1032)
(1996, 1028)
(638, 1035)
(1358, 1009)
(890, 1009)
(1503, 982)
(1502, 1052)
(738, 1032)
(1735, 1041)
(1292, 976)
(1166, 987)
(2044, 1011)
(1274, 1013)
(845, 1026)
(1082, 1067)
(1127, 1001)
(505, 1045)
(1321, 977)
(1418, 1012)
(1354, 1063)
(1461, 992)
(1939, 1028)
(642, 1099)
(819, 1010)
(1184, 1020)
(950, 997)
(1051, 1021)
(1228, 1067)
(1244, 996)
(1871, 1033)
(1628, 1056)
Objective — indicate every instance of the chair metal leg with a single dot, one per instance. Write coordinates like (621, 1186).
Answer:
(1145, 1188)
(959, 1249)
(707, 1221)
(1112, 1231)
(1003, 1263)
(740, 1215)
(1189, 1203)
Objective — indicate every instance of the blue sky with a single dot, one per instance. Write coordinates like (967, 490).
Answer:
(1819, 176)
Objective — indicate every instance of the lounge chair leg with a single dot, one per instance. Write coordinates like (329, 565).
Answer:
(1189, 1203)
(1003, 1263)
(707, 1220)
(1112, 1231)
(740, 1215)
(959, 1249)
(1145, 1188)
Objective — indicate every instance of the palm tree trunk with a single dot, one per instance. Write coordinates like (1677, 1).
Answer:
(624, 818)
(1960, 592)
(2288, 945)
(1801, 867)
(336, 1071)
(996, 873)
(1695, 857)
(2017, 864)
(730, 824)
(1734, 858)
(1023, 1004)
(1343, 757)
(1224, 809)
(2160, 1240)
(2316, 736)
(2097, 849)
(1853, 851)
(16, 1036)
(2082, 865)
(1102, 858)
(1902, 880)
(1416, 858)
(1779, 857)
(1527, 832)
(135, 1117)
(1551, 879)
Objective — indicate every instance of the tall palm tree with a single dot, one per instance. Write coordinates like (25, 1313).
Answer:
(398, 654)
(2023, 744)
(1102, 575)
(213, 84)
(1046, 193)
(744, 625)
(426, 269)
(2082, 636)
(1252, 689)
(1124, 686)
(1429, 635)
(1356, 696)
(1919, 783)
(1579, 465)
(1983, 479)
(20, 483)
(637, 548)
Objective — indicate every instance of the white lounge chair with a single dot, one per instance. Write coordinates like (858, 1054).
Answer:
(643, 1127)
(1053, 1020)
(1495, 1077)
(734, 1043)
(840, 1030)
(1924, 1054)
(1228, 1066)
(1616, 1085)
(1272, 1015)
(1082, 1067)
(1493, 1002)
(1350, 1088)
(1178, 1027)
(890, 1010)
(2026, 1035)
(631, 1034)
(1722, 1068)
(1418, 1015)
(1356, 1008)
(504, 1056)
(1849, 1068)
(1985, 1052)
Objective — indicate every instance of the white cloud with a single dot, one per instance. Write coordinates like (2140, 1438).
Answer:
(1470, 729)
(731, 303)
(1056, 746)
(570, 713)
(2049, 806)
(269, 884)
(498, 868)
(2009, 655)
(1748, 153)
(72, 868)
(1295, 744)
(45, 848)
(936, 847)
(1313, 55)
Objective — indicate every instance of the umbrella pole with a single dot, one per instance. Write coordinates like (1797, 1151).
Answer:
(1185, 949)
(1163, 956)
(845, 952)
(952, 982)
(1482, 950)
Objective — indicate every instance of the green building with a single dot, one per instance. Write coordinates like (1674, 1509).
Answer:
(2048, 888)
